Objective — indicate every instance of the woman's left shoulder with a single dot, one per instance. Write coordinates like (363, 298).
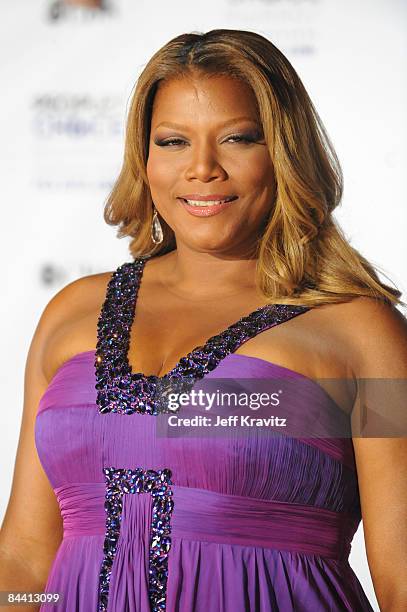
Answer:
(369, 310)
(373, 316)
(376, 333)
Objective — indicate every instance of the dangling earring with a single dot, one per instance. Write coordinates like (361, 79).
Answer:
(157, 235)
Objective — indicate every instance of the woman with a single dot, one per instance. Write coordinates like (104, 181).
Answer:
(238, 271)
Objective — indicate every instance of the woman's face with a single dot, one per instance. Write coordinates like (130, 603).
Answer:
(206, 140)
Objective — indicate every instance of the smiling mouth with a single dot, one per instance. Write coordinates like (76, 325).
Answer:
(208, 203)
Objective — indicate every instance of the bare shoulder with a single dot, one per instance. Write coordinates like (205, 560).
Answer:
(364, 307)
(32, 529)
(77, 295)
(375, 336)
(69, 320)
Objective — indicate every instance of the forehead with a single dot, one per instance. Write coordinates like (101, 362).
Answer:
(196, 98)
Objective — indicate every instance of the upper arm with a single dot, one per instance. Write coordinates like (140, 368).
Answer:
(32, 526)
(380, 362)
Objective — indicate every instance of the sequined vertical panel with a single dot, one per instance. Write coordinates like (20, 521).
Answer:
(120, 482)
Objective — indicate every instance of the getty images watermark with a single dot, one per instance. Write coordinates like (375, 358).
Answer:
(207, 401)
(293, 406)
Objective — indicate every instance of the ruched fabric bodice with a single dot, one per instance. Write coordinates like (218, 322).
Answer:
(194, 521)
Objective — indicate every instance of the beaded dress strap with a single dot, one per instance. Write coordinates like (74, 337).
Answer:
(119, 389)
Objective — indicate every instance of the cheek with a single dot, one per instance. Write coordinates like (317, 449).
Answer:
(160, 175)
(257, 171)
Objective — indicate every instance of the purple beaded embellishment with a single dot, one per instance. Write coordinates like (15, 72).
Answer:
(158, 483)
(122, 391)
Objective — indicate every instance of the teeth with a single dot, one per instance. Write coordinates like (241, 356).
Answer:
(208, 203)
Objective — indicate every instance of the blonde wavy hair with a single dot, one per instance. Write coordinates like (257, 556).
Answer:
(303, 257)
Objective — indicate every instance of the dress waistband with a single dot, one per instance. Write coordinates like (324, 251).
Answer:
(203, 515)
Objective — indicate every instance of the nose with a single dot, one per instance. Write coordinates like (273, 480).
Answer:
(204, 165)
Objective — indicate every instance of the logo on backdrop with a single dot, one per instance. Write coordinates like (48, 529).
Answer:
(79, 10)
(278, 2)
(76, 115)
(76, 140)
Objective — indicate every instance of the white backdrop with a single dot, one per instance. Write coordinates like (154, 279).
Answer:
(67, 75)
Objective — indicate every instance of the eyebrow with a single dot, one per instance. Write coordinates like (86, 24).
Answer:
(178, 126)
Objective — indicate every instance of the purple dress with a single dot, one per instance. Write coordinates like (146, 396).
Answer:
(192, 523)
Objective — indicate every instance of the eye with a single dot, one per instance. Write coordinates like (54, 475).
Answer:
(236, 138)
(165, 143)
(243, 138)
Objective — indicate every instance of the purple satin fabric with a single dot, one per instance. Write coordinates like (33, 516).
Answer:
(259, 523)
(209, 516)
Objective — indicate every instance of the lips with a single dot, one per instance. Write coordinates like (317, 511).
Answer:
(207, 209)
(215, 197)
